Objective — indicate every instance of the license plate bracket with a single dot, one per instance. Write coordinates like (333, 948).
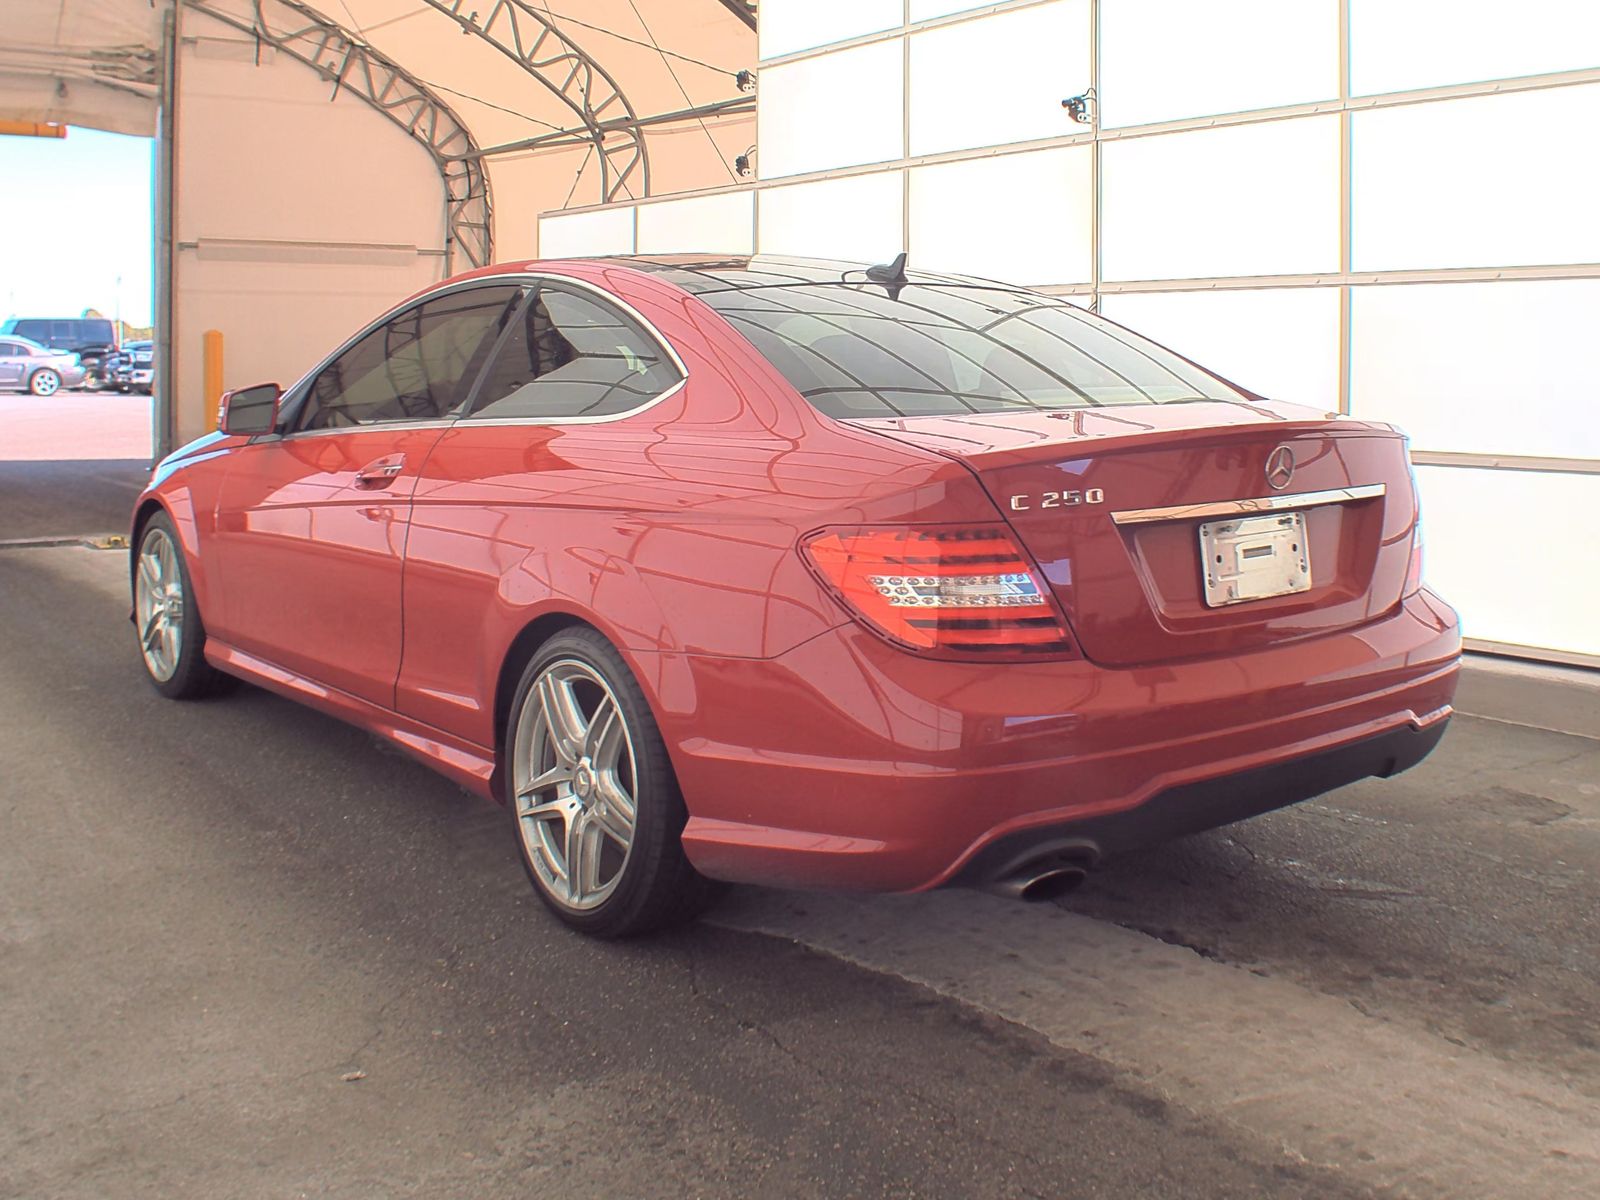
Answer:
(1252, 558)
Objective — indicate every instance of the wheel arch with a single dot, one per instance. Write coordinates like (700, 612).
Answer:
(146, 508)
(513, 663)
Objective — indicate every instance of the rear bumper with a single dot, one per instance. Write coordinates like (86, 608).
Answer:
(846, 763)
(1191, 807)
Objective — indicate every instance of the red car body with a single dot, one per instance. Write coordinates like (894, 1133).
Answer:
(811, 749)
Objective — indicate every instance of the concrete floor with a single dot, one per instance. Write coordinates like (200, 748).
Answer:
(247, 951)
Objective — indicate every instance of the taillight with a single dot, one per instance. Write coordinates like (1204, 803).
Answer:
(1414, 567)
(966, 589)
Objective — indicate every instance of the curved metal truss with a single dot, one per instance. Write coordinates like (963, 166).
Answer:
(530, 38)
(353, 66)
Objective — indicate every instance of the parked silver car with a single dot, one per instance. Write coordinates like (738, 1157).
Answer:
(42, 371)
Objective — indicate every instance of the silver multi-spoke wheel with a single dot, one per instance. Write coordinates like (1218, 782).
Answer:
(44, 383)
(158, 604)
(575, 776)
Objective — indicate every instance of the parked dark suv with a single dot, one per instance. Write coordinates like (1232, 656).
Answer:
(92, 339)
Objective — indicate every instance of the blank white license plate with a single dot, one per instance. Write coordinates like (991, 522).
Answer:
(1251, 558)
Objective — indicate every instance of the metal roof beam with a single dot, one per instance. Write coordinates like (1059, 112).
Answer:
(577, 136)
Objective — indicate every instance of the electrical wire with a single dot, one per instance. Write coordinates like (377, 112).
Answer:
(704, 128)
(622, 37)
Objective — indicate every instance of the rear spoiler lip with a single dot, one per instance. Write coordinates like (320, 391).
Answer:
(1072, 448)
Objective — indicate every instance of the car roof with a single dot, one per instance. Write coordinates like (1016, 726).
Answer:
(17, 337)
(728, 272)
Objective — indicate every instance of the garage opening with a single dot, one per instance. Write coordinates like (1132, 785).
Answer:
(77, 329)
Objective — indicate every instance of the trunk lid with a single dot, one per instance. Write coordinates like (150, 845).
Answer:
(1110, 502)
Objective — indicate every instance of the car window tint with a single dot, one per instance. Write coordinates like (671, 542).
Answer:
(416, 367)
(10, 350)
(569, 354)
(854, 351)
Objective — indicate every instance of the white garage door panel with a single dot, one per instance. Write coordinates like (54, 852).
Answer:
(861, 218)
(1482, 368)
(1161, 60)
(999, 79)
(722, 224)
(1399, 44)
(1282, 343)
(1043, 236)
(279, 320)
(579, 235)
(307, 170)
(836, 110)
(789, 26)
(1491, 181)
(1499, 546)
(1251, 200)
(298, 216)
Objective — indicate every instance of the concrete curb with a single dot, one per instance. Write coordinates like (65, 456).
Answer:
(1544, 696)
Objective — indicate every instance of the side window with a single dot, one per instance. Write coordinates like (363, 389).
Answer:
(416, 367)
(8, 349)
(570, 354)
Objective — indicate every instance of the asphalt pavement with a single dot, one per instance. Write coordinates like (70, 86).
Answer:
(248, 951)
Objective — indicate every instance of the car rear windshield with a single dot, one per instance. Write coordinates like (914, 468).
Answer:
(852, 350)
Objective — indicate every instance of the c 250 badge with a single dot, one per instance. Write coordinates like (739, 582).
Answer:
(1058, 499)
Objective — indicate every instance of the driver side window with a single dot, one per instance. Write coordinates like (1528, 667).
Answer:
(415, 367)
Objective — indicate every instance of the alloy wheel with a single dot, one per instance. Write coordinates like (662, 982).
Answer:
(46, 383)
(158, 604)
(575, 777)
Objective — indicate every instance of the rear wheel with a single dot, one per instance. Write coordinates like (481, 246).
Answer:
(44, 382)
(166, 618)
(594, 802)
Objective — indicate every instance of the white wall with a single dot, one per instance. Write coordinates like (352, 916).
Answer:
(298, 218)
(1429, 259)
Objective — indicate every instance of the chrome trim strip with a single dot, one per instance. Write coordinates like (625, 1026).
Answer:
(1259, 504)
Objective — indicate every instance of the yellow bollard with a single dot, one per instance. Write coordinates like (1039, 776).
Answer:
(211, 368)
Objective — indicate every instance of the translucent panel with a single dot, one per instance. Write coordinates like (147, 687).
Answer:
(609, 231)
(1282, 343)
(1247, 200)
(722, 224)
(788, 26)
(926, 10)
(1399, 44)
(1000, 79)
(837, 110)
(1482, 368)
(1490, 181)
(1043, 235)
(1165, 59)
(1498, 545)
(860, 218)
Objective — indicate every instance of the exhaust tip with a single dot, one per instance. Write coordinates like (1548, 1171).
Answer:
(1046, 879)
(1052, 884)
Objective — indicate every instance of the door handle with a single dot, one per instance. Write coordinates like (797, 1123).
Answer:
(382, 472)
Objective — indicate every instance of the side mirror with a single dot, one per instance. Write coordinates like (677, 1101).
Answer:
(250, 410)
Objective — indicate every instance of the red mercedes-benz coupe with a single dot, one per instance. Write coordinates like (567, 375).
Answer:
(803, 573)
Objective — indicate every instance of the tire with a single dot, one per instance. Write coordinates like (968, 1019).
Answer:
(166, 619)
(606, 757)
(44, 382)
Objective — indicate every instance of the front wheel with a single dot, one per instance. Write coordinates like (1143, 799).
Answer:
(172, 639)
(594, 801)
(44, 382)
